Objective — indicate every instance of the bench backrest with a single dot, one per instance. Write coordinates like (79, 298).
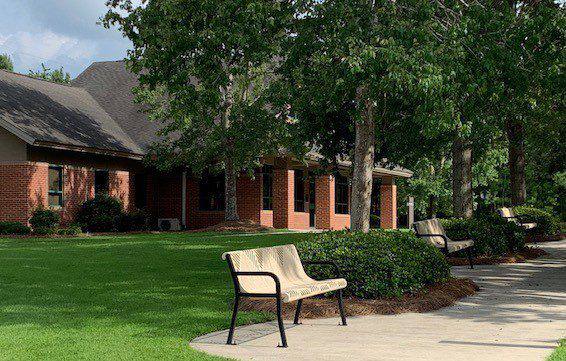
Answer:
(506, 212)
(283, 261)
(430, 226)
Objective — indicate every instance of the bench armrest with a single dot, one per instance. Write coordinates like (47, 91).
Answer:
(257, 273)
(326, 263)
(421, 235)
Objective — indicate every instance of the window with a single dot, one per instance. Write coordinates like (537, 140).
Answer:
(211, 193)
(101, 182)
(267, 180)
(341, 195)
(55, 194)
(299, 191)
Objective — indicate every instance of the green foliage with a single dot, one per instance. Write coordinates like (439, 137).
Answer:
(100, 214)
(6, 62)
(547, 224)
(56, 75)
(72, 230)
(14, 228)
(377, 264)
(45, 221)
(137, 220)
(492, 235)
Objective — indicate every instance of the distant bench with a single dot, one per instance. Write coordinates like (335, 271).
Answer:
(518, 219)
(277, 272)
(432, 231)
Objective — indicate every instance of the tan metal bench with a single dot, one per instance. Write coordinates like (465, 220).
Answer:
(432, 231)
(277, 272)
(510, 216)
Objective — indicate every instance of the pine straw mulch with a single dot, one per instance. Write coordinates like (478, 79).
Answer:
(432, 298)
(522, 256)
(537, 238)
(245, 226)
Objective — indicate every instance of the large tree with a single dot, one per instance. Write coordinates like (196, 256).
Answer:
(204, 67)
(6, 62)
(354, 72)
(54, 75)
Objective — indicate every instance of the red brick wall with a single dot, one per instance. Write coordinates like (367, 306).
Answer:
(24, 187)
(388, 205)
(21, 190)
(326, 218)
(119, 187)
(78, 186)
(248, 193)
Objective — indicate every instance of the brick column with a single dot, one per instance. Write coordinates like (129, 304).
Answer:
(388, 203)
(324, 201)
(283, 197)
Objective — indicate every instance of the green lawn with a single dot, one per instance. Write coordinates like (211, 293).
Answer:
(122, 297)
(560, 353)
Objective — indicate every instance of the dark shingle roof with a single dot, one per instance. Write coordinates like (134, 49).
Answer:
(42, 111)
(110, 83)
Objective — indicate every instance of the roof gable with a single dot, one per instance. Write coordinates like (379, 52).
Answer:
(41, 111)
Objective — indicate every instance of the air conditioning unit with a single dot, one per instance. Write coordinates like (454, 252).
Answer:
(168, 224)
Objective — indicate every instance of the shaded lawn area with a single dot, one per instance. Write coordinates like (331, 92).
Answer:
(117, 297)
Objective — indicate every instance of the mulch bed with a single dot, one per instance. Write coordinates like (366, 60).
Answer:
(519, 257)
(537, 238)
(431, 298)
(237, 226)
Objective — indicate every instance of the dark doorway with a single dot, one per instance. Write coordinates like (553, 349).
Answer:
(312, 201)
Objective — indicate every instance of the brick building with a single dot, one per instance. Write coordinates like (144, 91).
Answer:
(62, 144)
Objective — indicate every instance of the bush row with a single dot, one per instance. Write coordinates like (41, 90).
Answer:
(492, 235)
(377, 264)
(106, 214)
(547, 224)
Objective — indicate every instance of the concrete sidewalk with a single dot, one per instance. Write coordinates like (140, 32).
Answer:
(519, 314)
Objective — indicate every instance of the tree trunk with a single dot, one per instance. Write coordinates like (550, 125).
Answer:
(515, 136)
(364, 153)
(231, 174)
(462, 199)
(231, 213)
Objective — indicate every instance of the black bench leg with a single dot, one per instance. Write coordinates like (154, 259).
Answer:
(341, 308)
(298, 312)
(280, 323)
(233, 322)
(470, 257)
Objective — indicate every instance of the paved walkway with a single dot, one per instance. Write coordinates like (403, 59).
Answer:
(519, 314)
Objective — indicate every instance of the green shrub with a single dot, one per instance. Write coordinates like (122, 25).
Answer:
(137, 220)
(547, 224)
(45, 221)
(14, 228)
(377, 264)
(72, 230)
(100, 214)
(492, 235)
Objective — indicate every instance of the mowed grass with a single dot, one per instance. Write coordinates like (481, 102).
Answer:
(117, 297)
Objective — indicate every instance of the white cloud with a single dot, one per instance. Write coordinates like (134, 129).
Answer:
(58, 33)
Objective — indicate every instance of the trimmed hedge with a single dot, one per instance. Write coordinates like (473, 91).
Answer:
(100, 214)
(45, 221)
(13, 228)
(377, 264)
(492, 235)
(547, 224)
(137, 220)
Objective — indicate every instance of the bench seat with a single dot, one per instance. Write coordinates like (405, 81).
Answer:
(277, 272)
(455, 246)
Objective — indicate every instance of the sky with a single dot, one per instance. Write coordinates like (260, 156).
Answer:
(58, 33)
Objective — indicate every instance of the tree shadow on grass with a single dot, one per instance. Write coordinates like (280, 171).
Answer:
(171, 286)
